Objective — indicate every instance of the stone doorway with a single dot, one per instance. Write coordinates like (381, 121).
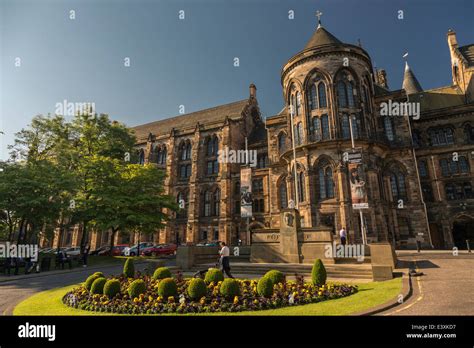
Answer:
(463, 230)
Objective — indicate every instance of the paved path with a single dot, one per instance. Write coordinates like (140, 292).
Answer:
(444, 289)
(14, 291)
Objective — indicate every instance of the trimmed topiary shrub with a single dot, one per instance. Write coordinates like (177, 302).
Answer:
(137, 287)
(275, 276)
(99, 274)
(265, 287)
(129, 268)
(162, 273)
(112, 287)
(90, 280)
(98, 286)
(213, 275)
(318, 274)
(197, 288)
(230, 288)
(167, 287)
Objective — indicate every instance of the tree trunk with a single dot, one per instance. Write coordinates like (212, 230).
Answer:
(84, 238)
(112, 238)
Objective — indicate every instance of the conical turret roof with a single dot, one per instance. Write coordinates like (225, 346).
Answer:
(410, 83)
(321, 37)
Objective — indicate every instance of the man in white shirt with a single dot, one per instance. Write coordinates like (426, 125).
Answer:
(343, 235)
(225, 253)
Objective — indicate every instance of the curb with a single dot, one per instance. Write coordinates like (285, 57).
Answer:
(51, 273)
(407, 292)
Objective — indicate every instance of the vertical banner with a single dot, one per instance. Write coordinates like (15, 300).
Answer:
(246, 192)
(358, 181)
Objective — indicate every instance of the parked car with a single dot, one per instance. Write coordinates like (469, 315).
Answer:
(160, 249)
(74, 251)
(98, 250)
(133, 250)
(46, 250)
(118, 249)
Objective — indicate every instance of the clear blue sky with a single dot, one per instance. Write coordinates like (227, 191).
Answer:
(190, 62)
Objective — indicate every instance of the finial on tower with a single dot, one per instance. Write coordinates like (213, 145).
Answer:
(319, 14)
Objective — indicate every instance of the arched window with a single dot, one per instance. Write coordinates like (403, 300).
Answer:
(293, 104)
(422, 169)
(387, 122)
(346, 132)
(463, 164)
(350, 94)
(164, 156)
(207, 203)
(301, 187)
(281, 142)
(325, 127)
(441, 136)
(313, 101)
(356, 126)
(322, 95)
(316, 129)
(325, 181)
(216, 202)
(283, 194)
(397, 185)
(469, 133)
(298, 103)
(188, 151)
(299, 134)
(341, 94)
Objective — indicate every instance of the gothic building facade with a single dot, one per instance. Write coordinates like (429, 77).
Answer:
(418, 170)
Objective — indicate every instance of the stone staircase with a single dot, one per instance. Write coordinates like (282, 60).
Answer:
(356, 271)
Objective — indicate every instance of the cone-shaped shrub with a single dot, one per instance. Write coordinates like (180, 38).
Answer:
(137, 287)
(197, 288)
(318, 274)
(167, 287)
(129, 268)
(265, 287)
(98, 286)
(162, 273)
(112, 287)
(275, 276)
(213, 275)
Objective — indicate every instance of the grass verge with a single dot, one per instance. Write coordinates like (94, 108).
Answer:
(369, 295)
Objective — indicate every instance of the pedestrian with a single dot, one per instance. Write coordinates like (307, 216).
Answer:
(85, 255)
(343, 235)
(224, 258)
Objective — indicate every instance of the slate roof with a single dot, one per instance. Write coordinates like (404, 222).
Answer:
(439, 98)
(410, 82)
(321, 37)
(206, 116)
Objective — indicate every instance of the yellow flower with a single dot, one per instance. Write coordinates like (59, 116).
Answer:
(255, 301)
(159, 299)
(236, 299)
(170, 299)
(150, 298)
(136, 300)
(320, 293)
(203, 300)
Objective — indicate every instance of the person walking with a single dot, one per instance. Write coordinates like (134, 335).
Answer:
(224, 254)
(343, 236)
(86, 255)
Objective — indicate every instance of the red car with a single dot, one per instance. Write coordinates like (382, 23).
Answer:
(117, 251)
(160, 249)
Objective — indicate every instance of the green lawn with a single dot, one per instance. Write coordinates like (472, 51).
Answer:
(369, 295)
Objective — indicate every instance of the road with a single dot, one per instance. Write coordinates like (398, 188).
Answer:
(445, 288)
(14, 291)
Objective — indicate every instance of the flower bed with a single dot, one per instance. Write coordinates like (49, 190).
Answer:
(290, 293)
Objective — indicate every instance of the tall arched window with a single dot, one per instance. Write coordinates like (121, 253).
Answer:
(325, 181)
(216, 202)
(469, 133)
(283, 194)
(316, 128)
(281, 142)
(325, 127)
(207, 203)
(322, 95)
(141, 157)
(398, 185)
(301, 187)
(313, 101)
(387, 122)
(463, 165)
(298, 103)
(345, 90)
(422, 169)
(346, 132)
(299, 134)
(341, 94)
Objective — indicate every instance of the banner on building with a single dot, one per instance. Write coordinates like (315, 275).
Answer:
(358, 181)
(246, 192)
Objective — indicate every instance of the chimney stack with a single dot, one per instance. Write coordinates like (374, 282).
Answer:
(253, 91)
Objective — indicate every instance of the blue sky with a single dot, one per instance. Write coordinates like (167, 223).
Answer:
(190, 62)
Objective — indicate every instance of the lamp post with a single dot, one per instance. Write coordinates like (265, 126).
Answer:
(294, 155)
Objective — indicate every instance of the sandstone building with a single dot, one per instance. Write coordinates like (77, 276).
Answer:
(418, 172)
